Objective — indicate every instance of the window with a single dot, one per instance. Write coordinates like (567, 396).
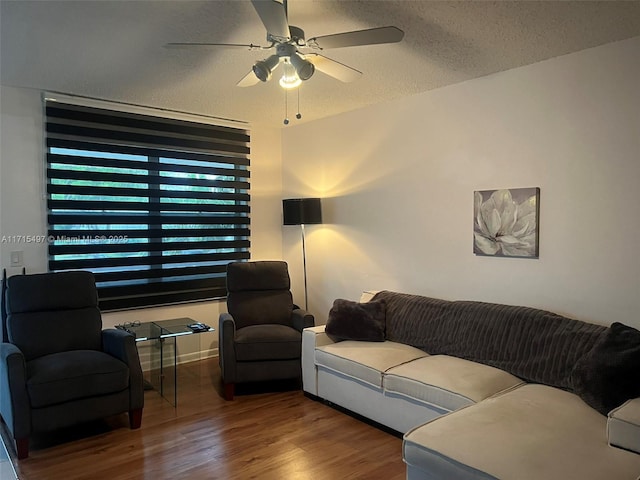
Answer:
(154, 207)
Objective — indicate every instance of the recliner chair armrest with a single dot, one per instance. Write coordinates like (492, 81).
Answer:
(302, 319)
(14, 400)
(122, 345)
(623, 426)
(226, 351)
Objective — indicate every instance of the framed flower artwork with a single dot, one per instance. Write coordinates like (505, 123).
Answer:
(505, 222)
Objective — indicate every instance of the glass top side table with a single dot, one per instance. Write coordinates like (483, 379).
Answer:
(163, 372)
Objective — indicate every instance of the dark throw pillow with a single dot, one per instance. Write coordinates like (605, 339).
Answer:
(609, 374)
(356, 321)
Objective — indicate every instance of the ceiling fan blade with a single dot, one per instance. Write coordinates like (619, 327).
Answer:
(274, 16)
(249, 46)
(248, 80)
(360, 37)
(333, 68)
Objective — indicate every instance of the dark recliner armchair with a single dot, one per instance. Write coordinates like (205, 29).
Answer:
(59, 367)
(260, 338)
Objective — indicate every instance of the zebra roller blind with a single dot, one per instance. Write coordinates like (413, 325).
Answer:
(154, 207)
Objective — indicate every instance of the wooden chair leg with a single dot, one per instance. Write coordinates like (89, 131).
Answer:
(229, 390)
(135, 418)
(22, 448)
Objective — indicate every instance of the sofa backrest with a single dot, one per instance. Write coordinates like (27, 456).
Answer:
(412, 319)
(535, 345)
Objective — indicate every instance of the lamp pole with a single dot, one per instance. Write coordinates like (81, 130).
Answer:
(302, 211)
(304, 269)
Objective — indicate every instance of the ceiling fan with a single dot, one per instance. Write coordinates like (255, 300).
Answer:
(299, 56)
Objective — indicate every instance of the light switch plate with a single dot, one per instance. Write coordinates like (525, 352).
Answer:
(17, 258)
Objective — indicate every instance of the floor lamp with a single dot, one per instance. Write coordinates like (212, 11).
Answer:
(302, 211)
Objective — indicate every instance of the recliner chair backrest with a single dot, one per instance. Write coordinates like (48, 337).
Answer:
(53, 312)
(258, 293)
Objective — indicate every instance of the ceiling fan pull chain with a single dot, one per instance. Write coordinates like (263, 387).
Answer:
(298, 115)
(286, 107)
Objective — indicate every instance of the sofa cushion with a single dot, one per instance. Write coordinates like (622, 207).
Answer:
(607, 376)
(66, 376)
(365, 361)
(267, 342)
(623, 426)
(530, 433)
(447, 382)
(356, 321)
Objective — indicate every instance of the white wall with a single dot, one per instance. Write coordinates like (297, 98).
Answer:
(22, 182)
(398, 181)
(23, 208)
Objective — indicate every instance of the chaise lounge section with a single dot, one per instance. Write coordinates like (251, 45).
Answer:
(483, 391)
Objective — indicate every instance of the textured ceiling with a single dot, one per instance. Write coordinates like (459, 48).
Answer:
(113, 50)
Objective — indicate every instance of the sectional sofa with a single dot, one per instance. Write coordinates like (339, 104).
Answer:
(483, 391)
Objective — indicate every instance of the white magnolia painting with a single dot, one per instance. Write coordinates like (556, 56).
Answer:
(505, 222)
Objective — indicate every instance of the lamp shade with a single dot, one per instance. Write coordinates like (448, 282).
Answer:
(301, 211)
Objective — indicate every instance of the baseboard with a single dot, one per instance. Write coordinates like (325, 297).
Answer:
(145, 358)
(195, 356)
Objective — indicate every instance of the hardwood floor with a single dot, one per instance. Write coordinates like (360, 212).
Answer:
(278, 435)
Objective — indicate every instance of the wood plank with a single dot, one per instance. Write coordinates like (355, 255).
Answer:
(260, 434)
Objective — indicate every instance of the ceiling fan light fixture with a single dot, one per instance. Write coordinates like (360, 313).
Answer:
(304, 68)
(263, 68)
(290, 78)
